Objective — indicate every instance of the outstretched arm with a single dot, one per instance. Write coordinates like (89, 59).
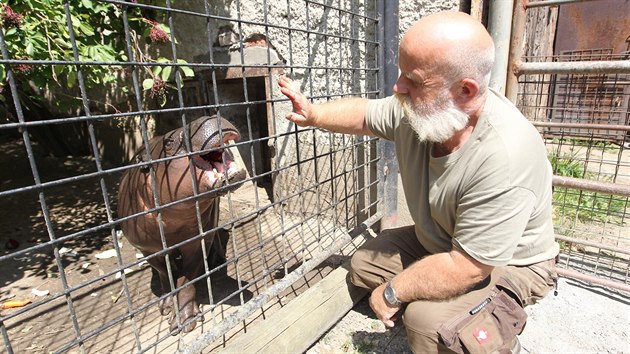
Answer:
(340, 116)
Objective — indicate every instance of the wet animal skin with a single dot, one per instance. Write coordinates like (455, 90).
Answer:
(215, 173)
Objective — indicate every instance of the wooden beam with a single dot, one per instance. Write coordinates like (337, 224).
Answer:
(477, 10)
(295, 327)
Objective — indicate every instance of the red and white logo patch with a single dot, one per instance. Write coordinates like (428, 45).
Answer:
(481, 335)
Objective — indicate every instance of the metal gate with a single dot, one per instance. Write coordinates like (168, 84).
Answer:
(87, 84)
(580, 101)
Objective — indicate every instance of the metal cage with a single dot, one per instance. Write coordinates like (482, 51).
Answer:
(110, 76)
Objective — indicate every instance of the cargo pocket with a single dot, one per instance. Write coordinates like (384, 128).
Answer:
(489, 327)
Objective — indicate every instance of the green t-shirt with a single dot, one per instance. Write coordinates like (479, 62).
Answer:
(491, 198)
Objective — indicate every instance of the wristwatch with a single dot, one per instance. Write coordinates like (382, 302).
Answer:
(390, 295)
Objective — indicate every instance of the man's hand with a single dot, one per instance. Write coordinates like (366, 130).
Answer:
(384, 311)
(302, 114)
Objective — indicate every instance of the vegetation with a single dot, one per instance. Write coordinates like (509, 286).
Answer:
(583, 205)
(40, 30)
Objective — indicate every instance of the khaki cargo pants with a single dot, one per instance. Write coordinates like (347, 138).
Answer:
(381, 258)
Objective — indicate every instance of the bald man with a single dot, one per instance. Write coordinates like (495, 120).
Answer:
(478, 184)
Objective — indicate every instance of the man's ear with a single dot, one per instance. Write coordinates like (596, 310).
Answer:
(467, 90)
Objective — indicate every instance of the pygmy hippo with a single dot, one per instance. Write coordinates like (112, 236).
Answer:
(215, 173)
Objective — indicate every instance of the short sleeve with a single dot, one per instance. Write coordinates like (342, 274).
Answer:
(490, 223)
(383, 117)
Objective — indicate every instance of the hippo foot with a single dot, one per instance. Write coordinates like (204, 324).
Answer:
(186, 312)
(166, 305)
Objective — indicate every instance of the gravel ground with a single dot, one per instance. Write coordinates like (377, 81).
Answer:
(580, 319)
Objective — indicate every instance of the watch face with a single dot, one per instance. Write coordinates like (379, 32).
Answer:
(389, 295)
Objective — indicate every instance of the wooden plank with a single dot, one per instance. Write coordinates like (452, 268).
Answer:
(476, 9)
(295, 327)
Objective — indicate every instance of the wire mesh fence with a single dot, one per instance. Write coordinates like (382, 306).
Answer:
(584, 119)
(142, 137)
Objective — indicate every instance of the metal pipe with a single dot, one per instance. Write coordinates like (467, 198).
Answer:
(593, 244)
(592, 186)
(589, 126)
(552, 3)
(582, 67)
(592, 279)
(516, 50)
(388, 164)
(276, 289)
(500, 28)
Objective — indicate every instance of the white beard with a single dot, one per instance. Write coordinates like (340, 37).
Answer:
(436, 122)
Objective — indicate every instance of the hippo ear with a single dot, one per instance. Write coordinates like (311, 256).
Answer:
(140, 159)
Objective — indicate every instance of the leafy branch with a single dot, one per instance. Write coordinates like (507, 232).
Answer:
(38, 30)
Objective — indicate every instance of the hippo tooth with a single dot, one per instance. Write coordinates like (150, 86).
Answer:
(218, 175)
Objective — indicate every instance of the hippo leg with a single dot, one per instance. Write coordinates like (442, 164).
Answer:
(191, 268)
(159, 264)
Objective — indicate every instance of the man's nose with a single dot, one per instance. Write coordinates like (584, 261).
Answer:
(400, 87)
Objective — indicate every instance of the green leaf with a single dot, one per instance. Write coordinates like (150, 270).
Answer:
(156, 70)
(86, 29)
(164, 28)
(163, 101)
(76, 23)
(188, 72)
(88, 4)
(29, 49)
(147, 84)
(166, 72)
(58, 69)
(72, 78)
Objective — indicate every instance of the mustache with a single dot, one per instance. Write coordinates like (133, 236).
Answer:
(400, 98)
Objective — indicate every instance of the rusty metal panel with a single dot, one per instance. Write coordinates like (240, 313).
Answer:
(587, 25)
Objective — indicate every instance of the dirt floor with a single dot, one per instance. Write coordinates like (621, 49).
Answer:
(581, 319)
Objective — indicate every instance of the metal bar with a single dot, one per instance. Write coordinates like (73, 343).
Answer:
(552, 3)
(256, 303)
(583, 67)
(516, 50)
(593, 244)
(500, 27)
(589, 126)
(388, 165)
(592, 186)
(5, 336)
(592, 279)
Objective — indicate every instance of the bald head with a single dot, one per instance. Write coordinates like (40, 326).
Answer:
(453, 45)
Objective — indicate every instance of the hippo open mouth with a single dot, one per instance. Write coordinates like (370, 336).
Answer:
(219, 167)
(212, 160)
